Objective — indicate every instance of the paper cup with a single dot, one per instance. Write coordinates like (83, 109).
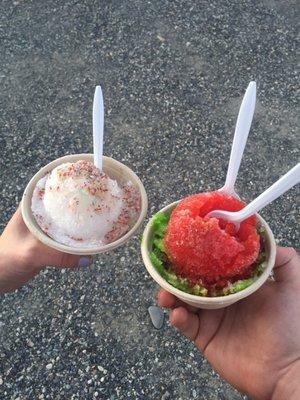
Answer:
(115, 170)
(207, 302)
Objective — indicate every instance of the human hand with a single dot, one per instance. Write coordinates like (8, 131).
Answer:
(22, 256)
(255, 343)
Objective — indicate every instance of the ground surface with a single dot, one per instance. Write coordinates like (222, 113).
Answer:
(173, 74)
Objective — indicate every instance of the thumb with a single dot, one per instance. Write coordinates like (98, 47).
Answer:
(47, 256)
(287, 265)
(54, 258)
(65, 260)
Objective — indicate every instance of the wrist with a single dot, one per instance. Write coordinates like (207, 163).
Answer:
(16, 265)
(288, 386)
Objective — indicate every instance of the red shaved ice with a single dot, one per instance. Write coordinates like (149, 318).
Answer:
(210, 249)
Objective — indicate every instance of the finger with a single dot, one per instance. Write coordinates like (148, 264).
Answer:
(187, 322)
(287, 265)
(168, 300)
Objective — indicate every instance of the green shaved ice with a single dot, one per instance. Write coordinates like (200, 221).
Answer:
(159, 243)
(261, 267)
(244, 283)
(238, 285)
(199, 290)
(170, 277)
(179, 283)
(241, 284)
(159, 224)
(158, 264)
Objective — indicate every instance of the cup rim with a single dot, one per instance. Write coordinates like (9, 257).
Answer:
(34, 228)
(202, 300)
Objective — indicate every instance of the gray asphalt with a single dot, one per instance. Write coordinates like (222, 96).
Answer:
(173, 75)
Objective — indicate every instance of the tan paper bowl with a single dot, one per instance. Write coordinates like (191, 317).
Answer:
(115, 170)
(206, 302)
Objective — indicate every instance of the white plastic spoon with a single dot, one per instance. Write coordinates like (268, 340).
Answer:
(283, 184)
(98, 127)
(242, 129)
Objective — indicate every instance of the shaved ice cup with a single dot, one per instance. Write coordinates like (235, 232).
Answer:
(200, 301)
(115, 170)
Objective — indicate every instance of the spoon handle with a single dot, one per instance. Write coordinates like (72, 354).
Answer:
(98, 127)
(283, 184)
(242, 129)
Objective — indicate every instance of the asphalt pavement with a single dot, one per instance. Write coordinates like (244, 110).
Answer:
(173, 75)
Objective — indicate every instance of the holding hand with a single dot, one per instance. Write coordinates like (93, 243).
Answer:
(255, 343)
(22, 256)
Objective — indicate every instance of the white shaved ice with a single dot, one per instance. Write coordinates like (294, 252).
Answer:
(80, 206)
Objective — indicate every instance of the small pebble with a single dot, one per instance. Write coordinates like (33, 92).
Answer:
(160, 38)
(157, 316)
(49, 366)
(101, 369)
(29, 343)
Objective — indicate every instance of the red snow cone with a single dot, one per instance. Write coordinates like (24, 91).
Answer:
(209, 248)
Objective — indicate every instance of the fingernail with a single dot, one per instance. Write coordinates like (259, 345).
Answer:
(85, 262)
